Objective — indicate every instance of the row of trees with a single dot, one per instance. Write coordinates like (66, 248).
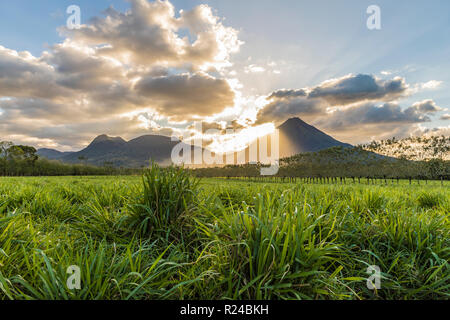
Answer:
(430, 170)
(342, 162)
(413, 148)
(20, 160)
(338, 162)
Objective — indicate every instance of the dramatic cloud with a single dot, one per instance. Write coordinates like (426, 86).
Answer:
(113, 72)
(288, 94)
(23, 75)
(149, 34)
(376, 121)
(173, 95)
(284, 108)
(337, 92)
(354, 103)
(362, 87)
(154, 70)
(368, 113)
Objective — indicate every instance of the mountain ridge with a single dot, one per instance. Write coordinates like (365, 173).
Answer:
(296, 136)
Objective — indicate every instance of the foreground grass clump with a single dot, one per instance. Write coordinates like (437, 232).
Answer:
(281, 248)
(166, 236)
(167, 194)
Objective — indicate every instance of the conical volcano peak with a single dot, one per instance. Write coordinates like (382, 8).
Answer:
(297, 136)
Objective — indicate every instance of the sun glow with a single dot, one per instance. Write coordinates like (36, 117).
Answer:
(239, 140)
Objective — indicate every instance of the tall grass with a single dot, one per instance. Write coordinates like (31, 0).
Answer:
(168, 193)
(167, 236)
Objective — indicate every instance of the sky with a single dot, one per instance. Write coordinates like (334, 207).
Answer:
(155, 67)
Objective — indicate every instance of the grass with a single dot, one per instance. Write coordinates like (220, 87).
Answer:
(168, 194)
(167, 236)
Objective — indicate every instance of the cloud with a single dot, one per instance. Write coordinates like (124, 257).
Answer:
(253, 68)
(23, 75)
(369, 113)
(76, 135)
(223, 127)
(288, 93)
(353, 103)
(79, 68)
(376, 121)
(356, 88)
(149, 33)
(426, 106)
(183, 95)
(281, 109)
(152, 70)
(336, 92)
(431, 85)
(445, 117)
(115, 69)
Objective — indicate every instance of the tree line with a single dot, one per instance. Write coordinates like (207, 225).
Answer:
(326, 165)
(338, 162)
(413, 148)
(21, 160)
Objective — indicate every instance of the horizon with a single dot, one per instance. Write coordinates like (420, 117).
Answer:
(139, 67)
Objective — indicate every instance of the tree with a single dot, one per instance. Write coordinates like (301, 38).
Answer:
(4, 147)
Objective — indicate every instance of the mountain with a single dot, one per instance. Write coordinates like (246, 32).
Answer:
(296, 136)
(51, 154)
(118, 152)
(102, 149)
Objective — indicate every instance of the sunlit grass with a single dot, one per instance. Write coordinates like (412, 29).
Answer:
(165, 237)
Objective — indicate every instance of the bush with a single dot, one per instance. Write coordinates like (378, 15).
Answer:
(167, 194)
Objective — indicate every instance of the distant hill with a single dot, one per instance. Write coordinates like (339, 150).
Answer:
(296, 136)
(117, 152)
(102, 149)
(120, 153)
(337, 156)
(52, 154)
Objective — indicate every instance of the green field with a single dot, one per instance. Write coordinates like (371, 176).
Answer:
(226, 240)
